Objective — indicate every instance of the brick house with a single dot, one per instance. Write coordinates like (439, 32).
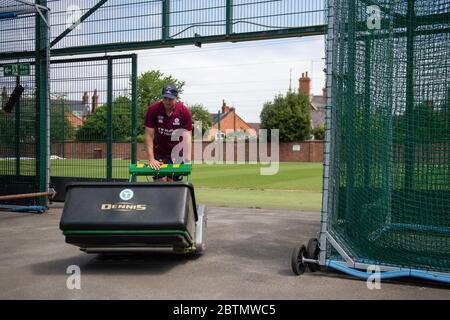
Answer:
(255, 126)
(229, 120)
(78, 111)
(317, 102)
(82, 109)
(74, 121)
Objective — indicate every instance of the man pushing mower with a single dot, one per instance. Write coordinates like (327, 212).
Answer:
(165, 121)
(109, 217)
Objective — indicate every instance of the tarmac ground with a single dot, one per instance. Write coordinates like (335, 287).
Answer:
(247, 257)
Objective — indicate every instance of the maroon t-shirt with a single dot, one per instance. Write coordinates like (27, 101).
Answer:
(165, 125)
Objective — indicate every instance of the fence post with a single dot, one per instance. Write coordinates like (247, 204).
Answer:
(229, 18)
(350, 114)
(42, 57)
(17, 127)
(165, 20)
(133, 109)
(367, 112)
(109, 116)
(63, 120)
(409, 114)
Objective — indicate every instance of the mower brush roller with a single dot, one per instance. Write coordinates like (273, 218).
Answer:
(133, 217)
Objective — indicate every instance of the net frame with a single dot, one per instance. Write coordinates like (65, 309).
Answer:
(338, 250)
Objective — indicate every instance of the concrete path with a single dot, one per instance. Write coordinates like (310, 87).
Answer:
(248, 257)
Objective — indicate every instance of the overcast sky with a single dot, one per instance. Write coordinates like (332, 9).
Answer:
(245, 74)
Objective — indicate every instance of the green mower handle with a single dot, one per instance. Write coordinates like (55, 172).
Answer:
(166, 170)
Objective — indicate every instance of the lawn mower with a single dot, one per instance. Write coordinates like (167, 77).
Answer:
(135, 216)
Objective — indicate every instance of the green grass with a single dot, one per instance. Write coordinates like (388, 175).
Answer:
(296, 186)
(297, 200)
(291, 176)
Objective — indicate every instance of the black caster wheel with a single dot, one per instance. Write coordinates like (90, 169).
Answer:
(312, 252)
(298, 267)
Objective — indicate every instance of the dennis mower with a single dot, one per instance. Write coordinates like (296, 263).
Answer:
(134, 217)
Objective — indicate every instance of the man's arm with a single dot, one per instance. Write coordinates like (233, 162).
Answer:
(149, 136)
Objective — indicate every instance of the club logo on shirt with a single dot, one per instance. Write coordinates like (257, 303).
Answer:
(176, 122)
(160, 119)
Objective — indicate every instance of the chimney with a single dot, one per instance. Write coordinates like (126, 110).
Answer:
(225, 108)
(85, 98)
(94, 101)
(305, 84)
(324, 95)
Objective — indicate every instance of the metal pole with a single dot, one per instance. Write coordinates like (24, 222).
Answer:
(409, 143)
(165, 20)
(109, 132)
(42, 57)
(367, 161)
(76, 23)
(133, 109)
(327, 170)
(17, 127)
(350, 113)
(63, 118)
(229, 18)
(51, 193)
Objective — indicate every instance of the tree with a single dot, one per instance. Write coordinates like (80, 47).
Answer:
(59, 122)
(200, 113)
(95, 126)
(319, 132)
(149, 88)
(28, 117)
(26, 125)
(56, 125)
(290, 114)
(424, 124)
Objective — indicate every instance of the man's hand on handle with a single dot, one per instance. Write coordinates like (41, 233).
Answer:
(154, 164)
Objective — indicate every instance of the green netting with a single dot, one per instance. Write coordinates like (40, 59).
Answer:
(389, 197)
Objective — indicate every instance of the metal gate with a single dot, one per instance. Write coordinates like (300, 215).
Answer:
(92, 114)
(18, 130)
(93, 108)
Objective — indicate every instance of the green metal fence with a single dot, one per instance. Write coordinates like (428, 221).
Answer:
(99, 26)
(24, 27)
(17, 26)
(93, 110)
(18, 132)
(87, 26)
(92, 123)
